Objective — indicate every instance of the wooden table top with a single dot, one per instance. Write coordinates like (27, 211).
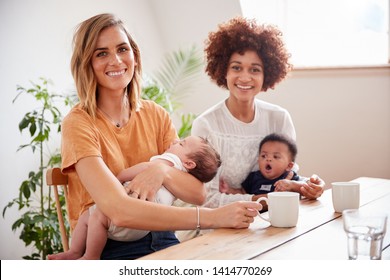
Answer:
(319, 233)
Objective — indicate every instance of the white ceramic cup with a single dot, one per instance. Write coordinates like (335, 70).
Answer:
(283, 208)
(345, 195)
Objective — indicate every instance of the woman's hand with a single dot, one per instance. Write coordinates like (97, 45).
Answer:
(145, 185)
(313, 188)
(238, 214)
(181, 184)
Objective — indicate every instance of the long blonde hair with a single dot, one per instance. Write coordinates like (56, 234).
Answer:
(84, 43)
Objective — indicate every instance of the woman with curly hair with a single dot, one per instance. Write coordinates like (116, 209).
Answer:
(246, 59)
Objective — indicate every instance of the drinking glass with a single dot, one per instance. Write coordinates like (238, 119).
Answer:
(365, 234)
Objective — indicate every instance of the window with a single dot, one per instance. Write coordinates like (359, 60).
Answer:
(328, 33)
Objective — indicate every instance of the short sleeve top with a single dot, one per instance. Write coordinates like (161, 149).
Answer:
(148, 132)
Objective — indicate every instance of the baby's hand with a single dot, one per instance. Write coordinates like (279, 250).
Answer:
(290, 186)
(225, 188)
(284, 186)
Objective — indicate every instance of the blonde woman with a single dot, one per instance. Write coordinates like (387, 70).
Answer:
(112, 129)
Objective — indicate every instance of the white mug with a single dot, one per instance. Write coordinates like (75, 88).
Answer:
(283, 208)
(345, 195)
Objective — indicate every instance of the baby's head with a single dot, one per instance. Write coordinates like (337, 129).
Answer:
(198, 157)
(277, 155)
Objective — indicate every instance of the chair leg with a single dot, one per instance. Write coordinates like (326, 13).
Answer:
(64, 237)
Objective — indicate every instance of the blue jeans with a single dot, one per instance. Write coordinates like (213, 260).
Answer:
(152, 242)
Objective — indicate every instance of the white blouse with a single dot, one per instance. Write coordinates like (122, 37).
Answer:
(238, 144)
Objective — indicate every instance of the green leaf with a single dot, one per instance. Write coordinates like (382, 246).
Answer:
(180, 71)
(24, 123)
(186, 125)
(17, 224)
(38, 219)
(9, 205)
(33, 128)
(25, 189)
(55, 159)
(39, 138)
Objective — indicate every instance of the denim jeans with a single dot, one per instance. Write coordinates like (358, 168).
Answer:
(152, 242)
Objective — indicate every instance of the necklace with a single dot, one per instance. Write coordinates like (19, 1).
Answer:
(123, 107)
(117, 124)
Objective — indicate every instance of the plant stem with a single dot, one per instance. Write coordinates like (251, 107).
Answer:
(41, 184)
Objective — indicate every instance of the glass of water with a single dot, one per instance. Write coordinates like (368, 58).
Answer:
(365, 234)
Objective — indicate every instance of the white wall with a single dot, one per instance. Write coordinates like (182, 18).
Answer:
(342, 117)
(36, 41)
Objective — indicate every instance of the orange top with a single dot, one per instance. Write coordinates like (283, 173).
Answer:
(149, 132)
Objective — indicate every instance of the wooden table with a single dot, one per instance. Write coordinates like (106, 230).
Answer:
(319, 233)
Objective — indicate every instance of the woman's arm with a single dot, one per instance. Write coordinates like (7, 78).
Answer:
(109, 195)
(128, 174)
(183, 185)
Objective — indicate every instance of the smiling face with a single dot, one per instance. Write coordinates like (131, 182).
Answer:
(274, 159)
(245, 75)
(113, 60)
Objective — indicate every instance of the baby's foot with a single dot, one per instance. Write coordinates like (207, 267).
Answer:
(68, 255)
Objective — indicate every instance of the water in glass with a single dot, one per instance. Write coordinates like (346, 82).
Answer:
(364, 242)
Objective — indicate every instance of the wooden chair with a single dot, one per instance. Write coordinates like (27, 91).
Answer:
(54, 178)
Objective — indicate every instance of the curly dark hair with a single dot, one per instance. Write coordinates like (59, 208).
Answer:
(239, 35)
(284, 139)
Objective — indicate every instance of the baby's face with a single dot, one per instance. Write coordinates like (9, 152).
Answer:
(183, 147)
(274, 159)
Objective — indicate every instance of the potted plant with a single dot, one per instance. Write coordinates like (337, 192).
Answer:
(38, 221)
(175, 79)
